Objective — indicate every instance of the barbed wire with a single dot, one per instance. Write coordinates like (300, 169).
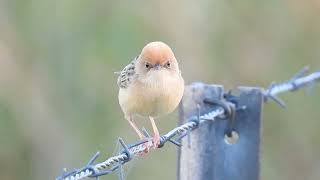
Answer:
(296, 82)
(223, 111)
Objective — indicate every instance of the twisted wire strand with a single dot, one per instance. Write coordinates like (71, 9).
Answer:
(136, 150)
(112, 163)
(294, 84)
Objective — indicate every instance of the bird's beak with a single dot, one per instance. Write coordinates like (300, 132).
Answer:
(157, 66)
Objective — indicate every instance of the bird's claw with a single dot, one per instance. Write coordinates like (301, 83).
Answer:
(156, 141)
(147, 146)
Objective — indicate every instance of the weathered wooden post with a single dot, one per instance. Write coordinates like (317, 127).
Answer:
(209, 157)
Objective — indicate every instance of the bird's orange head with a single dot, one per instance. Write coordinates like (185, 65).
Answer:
(157, 56)
(157, 53)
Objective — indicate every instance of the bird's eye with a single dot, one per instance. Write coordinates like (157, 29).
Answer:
(148, 66)
(168, 64)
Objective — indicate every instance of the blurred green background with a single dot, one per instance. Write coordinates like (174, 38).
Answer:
(58, 93)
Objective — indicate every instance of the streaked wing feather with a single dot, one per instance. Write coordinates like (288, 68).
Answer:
(127, 74)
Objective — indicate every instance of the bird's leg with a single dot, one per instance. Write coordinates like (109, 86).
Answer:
(137, 130)
(134, 126)
(156, 136)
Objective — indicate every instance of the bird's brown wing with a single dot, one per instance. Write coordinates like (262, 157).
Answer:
(127, 74)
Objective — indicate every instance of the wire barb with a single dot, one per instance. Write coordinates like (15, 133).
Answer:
(112, 163)
(222, 111)
(296, 82)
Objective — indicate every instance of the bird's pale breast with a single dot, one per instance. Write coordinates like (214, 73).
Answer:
(153, 96)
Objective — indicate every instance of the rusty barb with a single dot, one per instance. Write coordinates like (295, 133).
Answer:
(225, 109)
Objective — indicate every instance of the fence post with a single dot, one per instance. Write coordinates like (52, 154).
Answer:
(209, 157)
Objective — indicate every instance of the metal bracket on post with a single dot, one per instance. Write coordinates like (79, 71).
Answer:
(215, 155)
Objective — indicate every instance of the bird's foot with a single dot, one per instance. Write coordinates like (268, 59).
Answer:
(147, 146)
(156, 140)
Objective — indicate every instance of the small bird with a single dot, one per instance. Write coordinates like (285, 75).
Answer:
(151, 86)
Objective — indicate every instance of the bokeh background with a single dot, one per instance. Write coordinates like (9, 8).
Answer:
(58, 93)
